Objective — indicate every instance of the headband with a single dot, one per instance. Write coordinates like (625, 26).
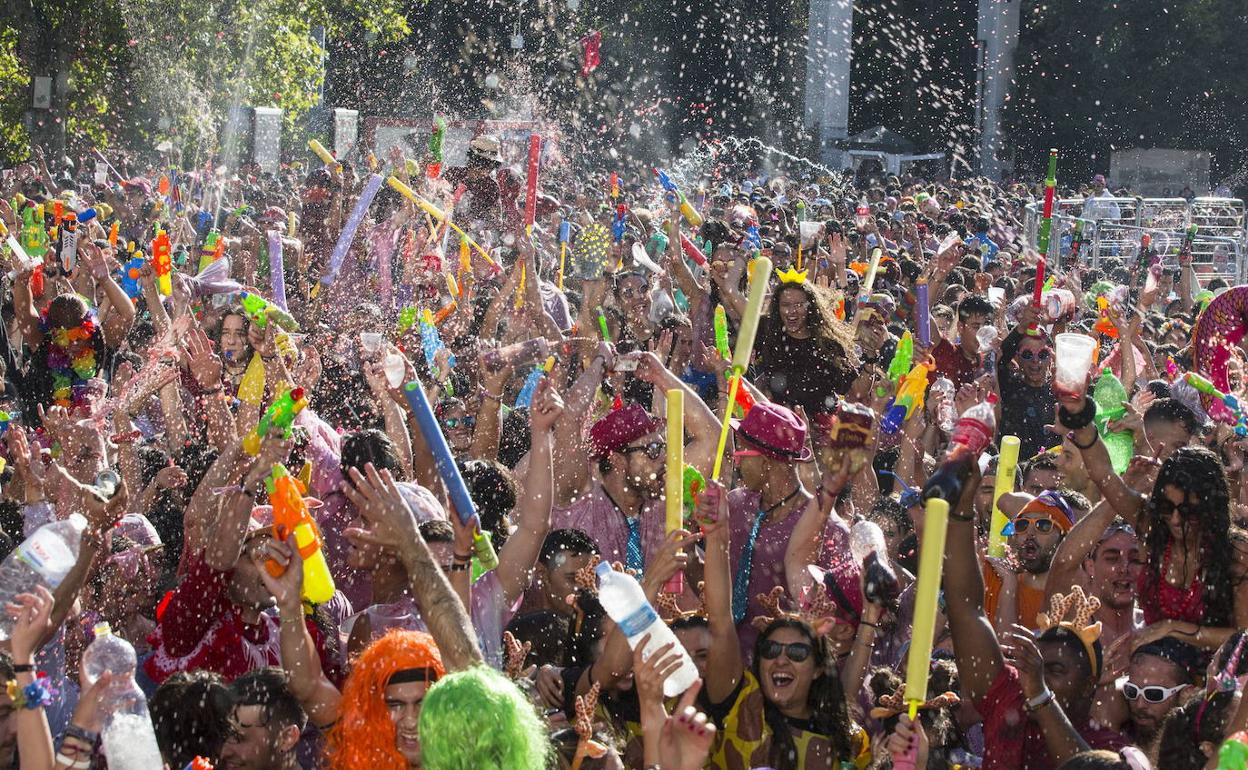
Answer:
(424, 674)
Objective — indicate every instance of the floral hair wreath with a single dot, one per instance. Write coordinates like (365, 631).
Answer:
(70, 362)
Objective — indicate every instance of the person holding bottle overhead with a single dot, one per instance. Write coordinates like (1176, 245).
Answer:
(787, 709)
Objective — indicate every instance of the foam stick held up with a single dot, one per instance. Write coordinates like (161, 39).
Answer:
(923, 313)
(398, 186)
(745, 347)
(565, 234)
(1007, 468)
(931, 561)
(674, 480)
(347, 236)
(443, 460)
(525, 398)
(868, 285)
(530, 182)
(1046, 223)
(277, 269)
(325, 155)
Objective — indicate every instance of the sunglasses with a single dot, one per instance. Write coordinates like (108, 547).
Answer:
(796, 652)
(454, 422)
(1166, 507)
(654, 450)
(1043, 526)
(1152, 693)
(1044, 354)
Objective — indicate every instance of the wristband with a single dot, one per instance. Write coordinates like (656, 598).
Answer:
(462, 557)
(1095, 437)
(459, 566)
(1079, 419)
(24, 668)
(1040, 701)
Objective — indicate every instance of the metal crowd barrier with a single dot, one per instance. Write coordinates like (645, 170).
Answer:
(1111, 228)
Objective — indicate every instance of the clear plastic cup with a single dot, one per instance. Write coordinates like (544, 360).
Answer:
(1073, 362)
(809, 233)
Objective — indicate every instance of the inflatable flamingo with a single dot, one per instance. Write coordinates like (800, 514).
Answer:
(1221, 327)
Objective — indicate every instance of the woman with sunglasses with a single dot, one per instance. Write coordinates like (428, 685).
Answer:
(787, 709)
(1192, 586)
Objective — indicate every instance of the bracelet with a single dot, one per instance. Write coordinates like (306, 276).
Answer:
(1082, 418)
(24, 668)
(457, 566)
(1040, 701)
(461, 557)
(35, 695)
(866, 623)
(491, 396)
(73, 764)
(1095, 437)
(81, 733)
(962, 517)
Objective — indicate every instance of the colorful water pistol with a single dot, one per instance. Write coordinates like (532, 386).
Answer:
(408, 317)
(291, 515)
(903, 358)
(602, 326)
(19, 253)
(69, 242)
(687, 210)
(525, 398)
(1234, 410)
(721, 333)
(34, 233)
(431, 341)
(162, 263)
(1234, 752)
(615, 185)
(260, 311)
(910, 394)
(694, 482)
(619, 223)
(280, 414)
(129, 279)
(212, 249)
(436, 137)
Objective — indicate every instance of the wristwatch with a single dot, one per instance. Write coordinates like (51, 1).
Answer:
(1040, 701)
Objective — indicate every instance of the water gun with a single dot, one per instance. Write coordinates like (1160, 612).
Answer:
(910, 394)
(721, 333)
(280, 414)
(260, 310)
(408, 317)
(692, 251)
(130, 273)
(19, 253)
(903, 358)
(291, 514)
(5, 419)
(602, 326)
(162, 263)
(34, 235)
(615, 185)
(619, 223)
(687, 210)
(199, 763)
(1234, 752)
(431, 341)
(436, 136)
(1233, 408)
(694, 483)
(113, 232)
(525, 398)
(69, 242)
(1189, 238)
(212, 250)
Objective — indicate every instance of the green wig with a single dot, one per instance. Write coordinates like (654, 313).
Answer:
(478, 719)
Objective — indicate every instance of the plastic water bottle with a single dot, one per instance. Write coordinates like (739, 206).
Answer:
(129, 740)
(862, 213)
(43, 559)
(947, 417)
(624, 600)
(974, 431)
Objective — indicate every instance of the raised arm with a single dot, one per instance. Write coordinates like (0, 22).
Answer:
(1122, 498)
(573, 473)
(519, 554)
(700, 422)
(392, 524)
(976, 649)
(316, 694)
(724, 665)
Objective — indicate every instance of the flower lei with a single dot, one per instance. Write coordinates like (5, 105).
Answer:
(71, 359)
(37, 694)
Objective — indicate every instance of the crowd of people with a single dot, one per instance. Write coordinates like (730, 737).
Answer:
(162, 328)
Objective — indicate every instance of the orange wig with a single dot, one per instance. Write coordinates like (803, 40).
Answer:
(364, 736)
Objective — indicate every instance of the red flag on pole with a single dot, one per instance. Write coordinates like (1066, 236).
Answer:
(591, 45)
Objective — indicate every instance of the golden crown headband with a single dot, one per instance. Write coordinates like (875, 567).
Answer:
(1081, 608)
(791, 275)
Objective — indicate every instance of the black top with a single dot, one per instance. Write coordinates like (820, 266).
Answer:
(809, 373)
(1025, 409)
